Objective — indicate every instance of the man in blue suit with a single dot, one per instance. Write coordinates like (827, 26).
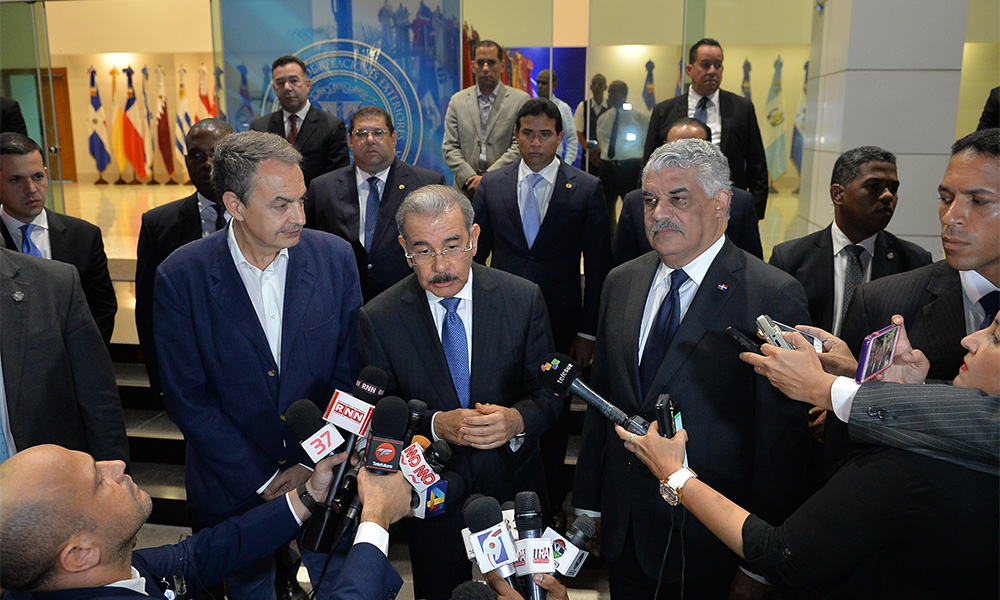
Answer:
(247, 321)
(68, 526)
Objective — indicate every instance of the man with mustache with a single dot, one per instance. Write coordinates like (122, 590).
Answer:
(731, 117)
(661, 330)
(318, 135)
(248, 320)
(467, 340)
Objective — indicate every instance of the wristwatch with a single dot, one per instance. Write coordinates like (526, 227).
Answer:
(670, 488)
(307, 500)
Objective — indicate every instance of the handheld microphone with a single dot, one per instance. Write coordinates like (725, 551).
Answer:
(318, 438)
(417, 410)
(435, 499)
(389, 422)
(568, 552)
(534, 553)
(507, 509)
(356, 416)
(466, 534)
(491, 542)
(560, 374)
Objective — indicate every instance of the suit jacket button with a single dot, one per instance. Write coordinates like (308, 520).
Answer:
(272, 373)
(785, 552)
(282, 461)
(369, 266)
(872, 411)
(882, 413)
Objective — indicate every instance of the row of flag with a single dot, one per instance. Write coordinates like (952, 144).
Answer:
(137, 131)
(774, 131)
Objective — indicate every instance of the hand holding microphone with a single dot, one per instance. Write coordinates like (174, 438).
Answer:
(385, 498)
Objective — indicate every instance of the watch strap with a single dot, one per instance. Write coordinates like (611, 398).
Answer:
(305, 497)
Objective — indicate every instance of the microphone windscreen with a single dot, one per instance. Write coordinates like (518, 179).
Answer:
(508, 505)
(389, 418)
(470, 500)
(417, 407)
(420, 440)
(370, 385)
(472, 590)
(558, 372)
(456, 487)
(482, 513)
(303, 418)
(582, 530)
(441, 451)
(527, 502)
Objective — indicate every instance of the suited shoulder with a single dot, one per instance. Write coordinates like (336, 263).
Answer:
(166, 212)
(911, 251)
(424, 176)
(792, 252)
(735, 99)
(466, 92)
(517, 95)
(512, 285)
(260, 123)
(326, 116)
(73, 223)
(329, 179)
(492, 178)
(323, 244)
(898, 285)
(578, 175)
(41, 271)
(664, 106)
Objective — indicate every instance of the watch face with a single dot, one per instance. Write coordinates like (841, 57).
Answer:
(668, 494)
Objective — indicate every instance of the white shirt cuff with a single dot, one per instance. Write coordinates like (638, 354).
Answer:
(288, 499)
(372, 533)
(434, 435)
(587, 336)
(594, 514)
(755, 577)
(261, 489)
(516, 442)
(842, 397)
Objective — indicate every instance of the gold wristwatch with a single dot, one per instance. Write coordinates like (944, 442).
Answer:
(670, 488)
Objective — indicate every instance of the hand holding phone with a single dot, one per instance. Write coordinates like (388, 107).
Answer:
(743, 340)
(771, 334)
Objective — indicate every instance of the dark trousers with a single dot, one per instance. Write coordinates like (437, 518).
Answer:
(618, 178)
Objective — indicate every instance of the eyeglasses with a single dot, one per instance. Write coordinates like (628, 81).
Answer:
(426, 257)
(363, 133)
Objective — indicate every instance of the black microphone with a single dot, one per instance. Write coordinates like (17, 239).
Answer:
(582, 530)
(370, 387)
(304, 419)
(491, 542)
(560, 374)
(417, 410)
(528, 515)
(570, 552)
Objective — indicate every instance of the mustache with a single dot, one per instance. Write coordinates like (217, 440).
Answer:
(442, 278)
(667, 224)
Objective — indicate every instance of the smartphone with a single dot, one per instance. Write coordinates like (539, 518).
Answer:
(743, 340)
(663, 417)
(877, 353)
(815, 341)
(770, 333)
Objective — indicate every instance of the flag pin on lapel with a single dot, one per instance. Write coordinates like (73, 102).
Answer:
(402, 187)
(723, 287)
(18, 296)
(569, 186)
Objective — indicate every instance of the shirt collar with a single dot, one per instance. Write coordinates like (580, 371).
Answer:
(713, 98)
(41, 221)
(975, 285)
(841, 241)
(548, 173)
(240, 259)
(362, 177)
(601, 104)
(301, 114)
(697, 268)
(465, 293)
(203, 202)
(137, 583)
(493, 95)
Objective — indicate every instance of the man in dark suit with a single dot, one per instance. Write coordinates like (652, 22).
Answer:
(656, 337)
(864, 190)
(742, 229)
(991, 111)
(344, 202)
(536, 218)
(168, 227)
(11, 118)
(249, 320)
(467, 340)
(58, 382)
(317, 134)
(68, 526)
(24, 181)
(731, 117)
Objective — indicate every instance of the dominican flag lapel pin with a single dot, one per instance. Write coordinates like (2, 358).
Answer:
(723, 287)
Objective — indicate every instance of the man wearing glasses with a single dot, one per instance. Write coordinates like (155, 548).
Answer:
(359, 202)
(467, 340)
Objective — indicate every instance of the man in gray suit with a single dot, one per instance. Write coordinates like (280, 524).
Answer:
(58, 384)
(479, 124)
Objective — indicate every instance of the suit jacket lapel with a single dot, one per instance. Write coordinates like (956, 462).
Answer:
(824, 267)
(189, 220)
(14, 331)
(495, 111)
(635, 304)
(562, 194)
(308, 126)
(945, 315)
(298, 297)
(346, 193)
(397, 184)
(884, 258)
(508, 198)
(422, 334)
(58, 242)
(725, 116)
(712, 295)
(231, 295)
(485, 304)
(8, 241)
(277, 123)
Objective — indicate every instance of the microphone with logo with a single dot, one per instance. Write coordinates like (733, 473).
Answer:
(560, 374)
(491, 542)
(422, 463)
(353, 413)
(534, 552)
(568, 553)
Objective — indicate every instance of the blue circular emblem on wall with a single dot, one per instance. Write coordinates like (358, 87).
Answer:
(348, 74)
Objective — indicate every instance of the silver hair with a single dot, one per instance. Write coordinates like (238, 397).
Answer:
(238, 156)
(709, 162)
(434, 200)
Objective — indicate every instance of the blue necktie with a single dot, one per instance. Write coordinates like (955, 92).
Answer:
(668, 319)
(28, 246)
(532, 217)
(4, 455)
(990, 303)
(456, 349)
(371, 212)
(701, 111)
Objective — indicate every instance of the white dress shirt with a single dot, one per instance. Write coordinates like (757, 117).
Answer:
(301, 117)
(361, 180)
(632, 127)
(543, 190)
(39, 235)
(207, 210)
(712, 110)
(840, 257)
(266, 289)
(974, 287)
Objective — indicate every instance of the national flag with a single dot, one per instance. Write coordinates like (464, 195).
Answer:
(218, 93)
(163, 137)
(98, 138)
(679, 90)
(776, 151)
(147, 128)
(746, 79)
(182, 118)
(799, 131)
(134, 144)
(649, 91)
(207, 106)
(117, 125)
(245, 113)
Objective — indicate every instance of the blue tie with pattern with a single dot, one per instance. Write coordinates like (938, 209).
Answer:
(701, 111)
(4, 455)
(371, 212)
(456, 349)
(991, 304)
(532, 217)
(28, 246)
